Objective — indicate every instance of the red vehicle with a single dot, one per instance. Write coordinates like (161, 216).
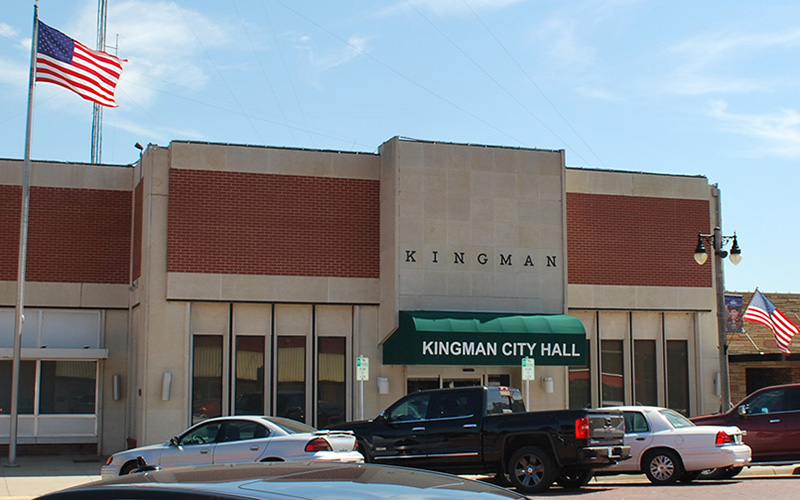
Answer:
(771, 419)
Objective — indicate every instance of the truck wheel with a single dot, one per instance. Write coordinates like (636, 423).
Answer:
(364, 450)
(662, 467)
(531, 470)
(575, 478)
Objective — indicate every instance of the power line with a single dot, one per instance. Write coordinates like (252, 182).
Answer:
(263, 71)
(530, 79)
(400, 74)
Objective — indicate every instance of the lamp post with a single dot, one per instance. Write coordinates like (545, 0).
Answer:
(718, 242)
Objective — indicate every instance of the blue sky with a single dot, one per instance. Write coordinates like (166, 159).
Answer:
(683, 87)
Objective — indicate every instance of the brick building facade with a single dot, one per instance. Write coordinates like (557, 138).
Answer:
(212, 279)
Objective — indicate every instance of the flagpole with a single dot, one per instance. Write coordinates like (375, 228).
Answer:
(23, 251)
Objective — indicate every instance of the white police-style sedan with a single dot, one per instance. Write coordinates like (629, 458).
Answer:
(667, 447)
(239, 439)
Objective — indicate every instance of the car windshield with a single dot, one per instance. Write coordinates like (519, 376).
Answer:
(676, 419)
(289, 425)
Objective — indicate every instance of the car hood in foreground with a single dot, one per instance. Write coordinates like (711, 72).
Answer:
(305, 480)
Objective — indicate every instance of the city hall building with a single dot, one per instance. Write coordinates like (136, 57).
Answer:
(217, 279)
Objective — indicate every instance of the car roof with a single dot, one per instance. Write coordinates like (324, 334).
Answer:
(642, 408)
(292, 480)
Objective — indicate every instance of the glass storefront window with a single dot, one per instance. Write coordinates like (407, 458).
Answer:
(580, 383)
(612, 373)
(645, 390)
(27, 379)
(206, 377)
(331, 381)
(291, 387)
(421, 384)
(249, 375)
(678, 376)
(68, 387)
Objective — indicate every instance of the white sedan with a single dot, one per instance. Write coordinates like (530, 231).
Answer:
(667, 447)
(225, 440)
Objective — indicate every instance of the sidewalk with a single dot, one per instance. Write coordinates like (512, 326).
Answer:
(36, 476)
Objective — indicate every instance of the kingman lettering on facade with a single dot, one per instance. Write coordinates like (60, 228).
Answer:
(461, 258)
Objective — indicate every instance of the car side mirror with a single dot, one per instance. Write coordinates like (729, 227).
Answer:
(382, 417)
(742, 410)
(174, 441)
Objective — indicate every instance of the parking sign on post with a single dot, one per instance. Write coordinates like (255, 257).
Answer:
(528, 374)
(362, 368)
(362, 374)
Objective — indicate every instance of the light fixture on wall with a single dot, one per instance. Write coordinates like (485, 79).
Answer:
(166, 386)
(718, 242)
(548, 384)
(116, 387)
(383, 385)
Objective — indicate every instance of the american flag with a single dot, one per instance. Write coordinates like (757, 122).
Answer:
(762, 311)
(91, 74)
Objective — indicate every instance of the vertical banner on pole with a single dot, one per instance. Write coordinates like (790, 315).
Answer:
(528, 374)
(362, 374)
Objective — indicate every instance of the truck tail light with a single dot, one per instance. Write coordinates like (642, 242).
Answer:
(318, 444)
(723, 438)
(582, 428)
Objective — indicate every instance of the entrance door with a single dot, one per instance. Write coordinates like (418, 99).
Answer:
(423, 377)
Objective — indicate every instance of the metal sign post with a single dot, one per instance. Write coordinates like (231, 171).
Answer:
(362, 374)
(528, 374)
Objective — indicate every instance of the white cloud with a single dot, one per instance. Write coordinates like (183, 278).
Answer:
(166, 46)
(723, 63)
(163, 134)
(7, 31)
(445, 7)
(14, 74)
(779, 133)
(598, 94)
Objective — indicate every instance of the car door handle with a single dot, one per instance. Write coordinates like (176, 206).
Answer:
(775, 421)
(254, 448)
(204, 452)
(417, 429)
(640, 439)
(470, 426)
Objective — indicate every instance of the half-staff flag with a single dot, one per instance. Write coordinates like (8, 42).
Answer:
(762, 311)
(92, 74)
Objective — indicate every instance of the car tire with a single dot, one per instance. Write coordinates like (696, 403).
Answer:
(720, 473)
(662, 467)
(689, 476)
(575, 478)
(363, 448)
(128, 468)
(531, 470)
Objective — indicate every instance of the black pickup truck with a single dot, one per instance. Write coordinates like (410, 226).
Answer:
(486, 430)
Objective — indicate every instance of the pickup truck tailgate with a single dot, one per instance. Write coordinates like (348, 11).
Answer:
(603, 435)
(606, 426)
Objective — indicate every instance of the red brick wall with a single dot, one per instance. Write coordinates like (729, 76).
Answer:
(10, 201)
(245, 223)
(635, 240)
(74, 235)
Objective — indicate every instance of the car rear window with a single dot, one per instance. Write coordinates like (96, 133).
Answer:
(504, 400)
(676, 419)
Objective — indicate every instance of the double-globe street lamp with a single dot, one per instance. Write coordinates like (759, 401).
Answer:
(718, 242)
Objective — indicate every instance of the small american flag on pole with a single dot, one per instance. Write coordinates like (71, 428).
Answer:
(92, 74)
(762, 311)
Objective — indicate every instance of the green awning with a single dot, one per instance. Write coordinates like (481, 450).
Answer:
(479, 338)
